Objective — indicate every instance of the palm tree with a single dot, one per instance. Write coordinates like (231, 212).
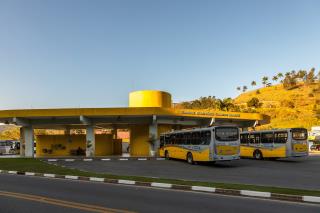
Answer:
(275, 78)
(244, 88)
(265, 80)
(280, 75)
(253, 83)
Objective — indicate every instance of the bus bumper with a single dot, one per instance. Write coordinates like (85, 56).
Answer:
(226, 158)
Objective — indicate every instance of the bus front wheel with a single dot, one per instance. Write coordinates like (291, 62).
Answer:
(257, 155)
(190, 158)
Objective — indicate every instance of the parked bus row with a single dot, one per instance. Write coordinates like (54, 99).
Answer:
(225, 143)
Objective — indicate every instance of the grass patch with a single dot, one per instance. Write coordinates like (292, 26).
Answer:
(38, 166)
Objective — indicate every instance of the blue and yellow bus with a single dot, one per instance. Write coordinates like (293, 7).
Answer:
(217, 143)
(279, 143)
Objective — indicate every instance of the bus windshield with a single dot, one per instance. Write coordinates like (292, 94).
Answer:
(227, 133)
(299, 134)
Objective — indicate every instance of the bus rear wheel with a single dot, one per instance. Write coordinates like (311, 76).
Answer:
(257, 155)
(166, 155)
(190, 158)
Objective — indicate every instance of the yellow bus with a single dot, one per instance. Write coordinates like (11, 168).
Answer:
(219, 143)
(280, 143)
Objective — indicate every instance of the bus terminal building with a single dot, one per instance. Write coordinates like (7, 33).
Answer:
(149, 114)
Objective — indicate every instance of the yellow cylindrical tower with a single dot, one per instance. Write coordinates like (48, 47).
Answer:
(150, 98)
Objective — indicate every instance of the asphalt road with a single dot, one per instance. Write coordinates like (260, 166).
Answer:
(303, 173)
(120, 198)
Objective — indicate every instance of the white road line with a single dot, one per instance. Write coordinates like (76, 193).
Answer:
(311, 199)
(162, 185)
(142, 158)
(160, 158)
(30, 173)
(123, 158)
(49, 175)
(203, 188)
(71, 177)
(105, 159)
(96, 179)
(129, 182)
(87, 159)
(69, 160)
(12, 172)
(255, 193)
(52, 160)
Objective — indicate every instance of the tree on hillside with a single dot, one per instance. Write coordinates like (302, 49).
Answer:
(275, 78)
(293, 73)
(310, 76)
(265, 80)
(280, 75)
(244, 88)
(302, 74)
(238, 88)
(253, 83)
(289, 82)
(254, 102)
(287, 74)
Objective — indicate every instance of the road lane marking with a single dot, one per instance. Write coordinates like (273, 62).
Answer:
(52, 160)
(123, 159)
(69, 160)
(105, 159)
(57, 202)
(87, 159)
(12, 172)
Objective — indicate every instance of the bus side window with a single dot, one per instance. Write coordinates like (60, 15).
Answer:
(196, 140)
(267, 137)
(281, 137)
(187, 138)
(244, 138)
(161, 141)
(205, 138)
(167, 139)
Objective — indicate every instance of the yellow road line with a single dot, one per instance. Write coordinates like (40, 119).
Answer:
(56, 202)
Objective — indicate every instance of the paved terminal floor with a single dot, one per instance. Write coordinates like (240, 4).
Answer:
(303, 173)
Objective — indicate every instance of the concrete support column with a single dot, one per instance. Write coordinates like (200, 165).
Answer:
(26, 142)
(153, 137)
(90, 141)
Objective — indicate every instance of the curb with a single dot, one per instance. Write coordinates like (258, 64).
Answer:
(101, 159)
(205, 189)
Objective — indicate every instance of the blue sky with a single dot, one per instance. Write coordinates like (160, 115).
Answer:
(91, 53)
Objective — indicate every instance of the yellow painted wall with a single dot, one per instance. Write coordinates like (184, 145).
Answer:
(66, 142)
(139, 136)
(150, 98)
(105, 144)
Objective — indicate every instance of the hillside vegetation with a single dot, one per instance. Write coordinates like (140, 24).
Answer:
(296, 107)
(291, 99)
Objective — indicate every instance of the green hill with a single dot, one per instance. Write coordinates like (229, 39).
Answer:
(296, 107)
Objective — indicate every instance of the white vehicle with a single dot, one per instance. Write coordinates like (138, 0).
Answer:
(8, 147)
